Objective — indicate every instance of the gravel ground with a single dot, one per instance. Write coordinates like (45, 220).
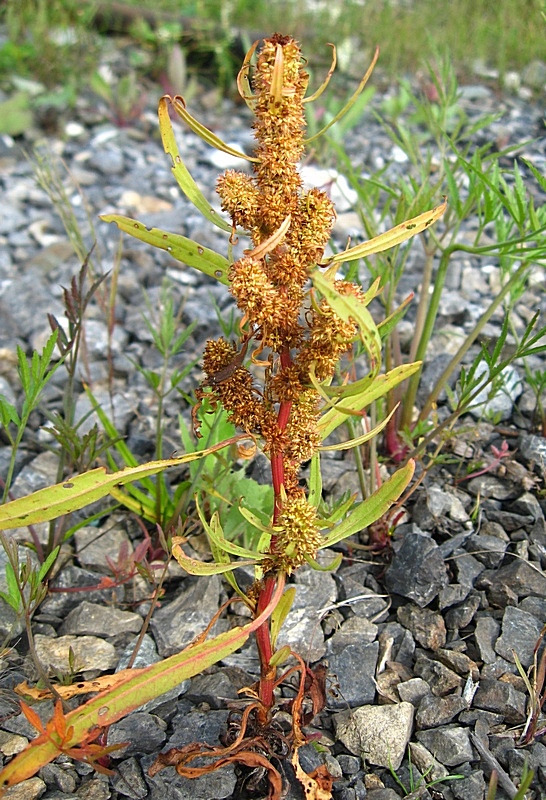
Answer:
(419, 640)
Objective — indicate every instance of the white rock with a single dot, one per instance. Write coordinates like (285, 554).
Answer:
(378, 734)
(333, 183)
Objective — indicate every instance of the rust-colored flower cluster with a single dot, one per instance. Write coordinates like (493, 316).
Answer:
(289, 228)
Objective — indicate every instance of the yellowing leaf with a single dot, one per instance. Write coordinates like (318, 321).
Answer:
(362, 515)
(204, 133)
(370, 391)
(391, 238)
(180, 171)
(82, 490)
(140, 687)
(182, 249)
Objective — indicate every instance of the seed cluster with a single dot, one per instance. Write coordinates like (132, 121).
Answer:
(269, 287)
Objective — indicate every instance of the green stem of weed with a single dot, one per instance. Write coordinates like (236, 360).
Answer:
(470, 339)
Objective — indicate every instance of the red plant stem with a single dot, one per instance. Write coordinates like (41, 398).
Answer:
(263, 641)
(263, 636)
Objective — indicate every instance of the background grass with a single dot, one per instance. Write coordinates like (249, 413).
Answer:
(505, 34)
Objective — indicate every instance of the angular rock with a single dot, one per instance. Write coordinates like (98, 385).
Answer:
(519, 635)
(378, 734)
(458, 662)
(413, 691)
(489, 486)
(462, 615)
(129, 781)
(426, 763)
(440, 678)
(353, 629)
(450, 745)
(302, 629)
(145, 733)
(427, 627)
(31, 789)
(93, 619)
(354, 668)
(436, 711)
(176, 624)
(89, 653)
(523, 578)
(488, 549)
(501, 698)
(215, 689)
(472, 787)
(417, 571)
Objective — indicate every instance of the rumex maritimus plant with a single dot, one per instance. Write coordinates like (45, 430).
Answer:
(300, 320)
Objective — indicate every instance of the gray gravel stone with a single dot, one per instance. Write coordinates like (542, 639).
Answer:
(417, 570)
(436, 711)
(450, 745)
(486, 634)
(97, 620)
(519, 636)
(472, 787)
(378, 734)
(501, 698)
(302, 630)
(354, 669)
(176, 624)
(129, 781)
(144, 732)
(427, 627)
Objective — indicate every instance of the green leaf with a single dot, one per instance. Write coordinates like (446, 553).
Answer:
(401, 233)
(180, 247)
(16, 114)
(13, 596)
(330, 567)
(315, 481)
(538, 175)
(82, 490)
(8, 412)
(48, 563)
(180, 171)
(373, 507)
(215, 533)
(196, 567)
(357, 441)
(381, 384)
(280, 613)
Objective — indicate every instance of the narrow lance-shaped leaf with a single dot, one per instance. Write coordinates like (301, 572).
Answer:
(179, 247)
(180, 171)
(357, 441)
(280, 613)
(371, 509)
(391, 238)
(194, 566)
(82, 490)
(381, 384)
(352, 100)
(214, 531)
(204, 133)
(140, 687)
